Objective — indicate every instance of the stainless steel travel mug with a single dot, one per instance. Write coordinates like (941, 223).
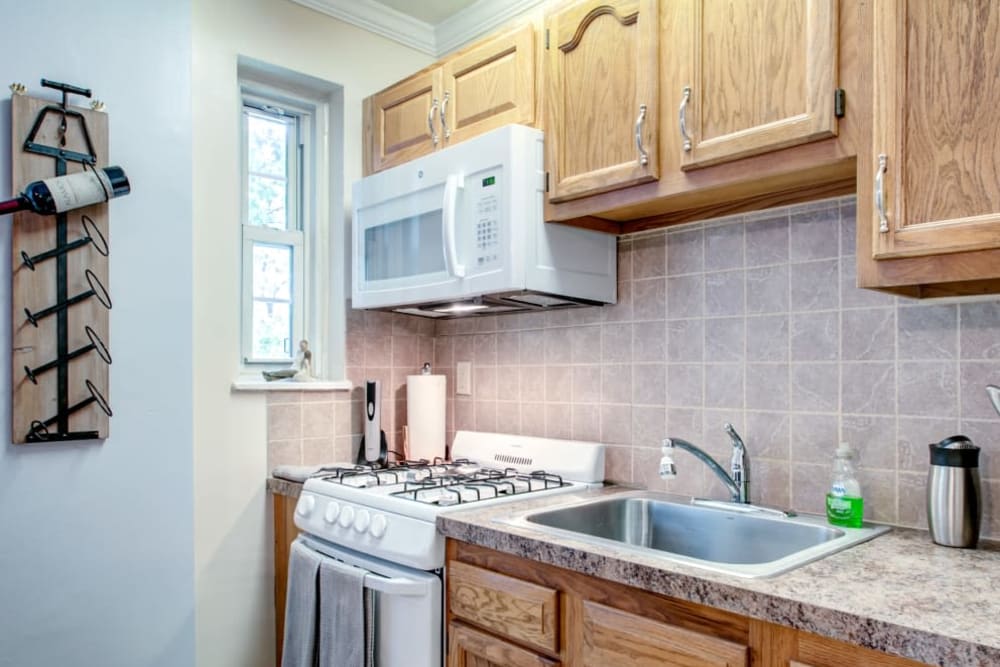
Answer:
(954, 501)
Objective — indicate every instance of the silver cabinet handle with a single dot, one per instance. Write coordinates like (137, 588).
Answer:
(444, 121)
(883, 222)
(683, 118)
(640, 122)
(430, 121)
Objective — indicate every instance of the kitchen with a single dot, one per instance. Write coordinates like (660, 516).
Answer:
(886, 374)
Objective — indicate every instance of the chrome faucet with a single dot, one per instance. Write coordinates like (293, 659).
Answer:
(737, 482)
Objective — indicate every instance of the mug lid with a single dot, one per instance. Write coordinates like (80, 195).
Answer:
(956, 451)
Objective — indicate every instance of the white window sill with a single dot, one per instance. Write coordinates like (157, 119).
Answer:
(256, 384)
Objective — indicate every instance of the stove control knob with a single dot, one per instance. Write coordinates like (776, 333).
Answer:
(332, 510)
(346, 517)
(362, 521)
(305, 506)
(379, 524)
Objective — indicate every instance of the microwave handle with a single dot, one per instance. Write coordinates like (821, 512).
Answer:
(454, 183)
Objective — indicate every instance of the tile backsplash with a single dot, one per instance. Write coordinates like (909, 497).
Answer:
(753, 320)
(309, 428)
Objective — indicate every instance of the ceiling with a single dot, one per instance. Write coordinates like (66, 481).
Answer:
(429, 11)
(435, 27)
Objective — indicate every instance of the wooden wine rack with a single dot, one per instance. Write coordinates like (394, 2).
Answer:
(53, 390)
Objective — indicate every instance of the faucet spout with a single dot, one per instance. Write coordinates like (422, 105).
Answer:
(700, 454)
(737, 481)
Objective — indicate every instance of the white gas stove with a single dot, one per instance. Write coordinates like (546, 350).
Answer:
(389, 513)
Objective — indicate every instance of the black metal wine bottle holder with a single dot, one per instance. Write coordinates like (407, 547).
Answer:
(40, 428)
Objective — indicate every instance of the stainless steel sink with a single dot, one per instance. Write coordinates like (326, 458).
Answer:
(739, 540)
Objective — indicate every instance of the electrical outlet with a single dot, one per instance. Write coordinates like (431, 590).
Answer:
(463, 378)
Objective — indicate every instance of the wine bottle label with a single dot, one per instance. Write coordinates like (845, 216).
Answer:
(79, 190)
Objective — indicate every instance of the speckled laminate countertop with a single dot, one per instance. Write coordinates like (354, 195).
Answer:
(899, 593)
(284, 487)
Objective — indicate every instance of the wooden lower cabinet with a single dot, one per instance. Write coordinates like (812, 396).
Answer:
(511, 611)
(468, 647)
(285, 533)
(611, 636)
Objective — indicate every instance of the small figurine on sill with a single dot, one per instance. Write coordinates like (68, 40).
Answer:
(300, 370)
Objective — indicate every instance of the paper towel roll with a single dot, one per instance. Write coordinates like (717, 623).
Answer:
(425, 408)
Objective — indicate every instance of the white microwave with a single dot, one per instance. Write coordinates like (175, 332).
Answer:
(461, 231)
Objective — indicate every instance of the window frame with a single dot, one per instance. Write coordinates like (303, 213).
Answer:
(326, 252)
(300, 223)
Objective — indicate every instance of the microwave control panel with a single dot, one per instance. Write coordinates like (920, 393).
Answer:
(487, 216)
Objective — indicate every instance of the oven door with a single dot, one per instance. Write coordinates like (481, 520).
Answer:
(406, 242)
(409, 606)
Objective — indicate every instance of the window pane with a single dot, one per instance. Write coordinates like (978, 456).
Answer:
(267, 202)
(267, 145)
(272, 330)
(272, 272)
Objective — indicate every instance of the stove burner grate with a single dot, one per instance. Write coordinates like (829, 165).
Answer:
(482, 484)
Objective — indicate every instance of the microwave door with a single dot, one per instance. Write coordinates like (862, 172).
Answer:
(408, 247)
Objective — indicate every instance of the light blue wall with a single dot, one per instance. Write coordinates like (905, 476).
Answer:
(96, 540)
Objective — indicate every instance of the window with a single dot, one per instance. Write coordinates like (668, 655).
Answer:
(274, 231)
(292, 231)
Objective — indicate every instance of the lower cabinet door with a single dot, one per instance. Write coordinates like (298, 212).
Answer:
(468, 647)
(613, 637)
(815, 651)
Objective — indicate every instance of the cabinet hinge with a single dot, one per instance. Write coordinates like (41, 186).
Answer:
(546, 39)
(546, 181)
(839, 103)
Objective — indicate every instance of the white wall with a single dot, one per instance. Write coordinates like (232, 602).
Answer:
(96, 548)
(233, 547)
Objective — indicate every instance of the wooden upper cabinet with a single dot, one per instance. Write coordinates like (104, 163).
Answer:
(402, 122)
(487, 85)
(602, 89)
(490, 85)
(615, 637)
(758, 76)
(936, 144)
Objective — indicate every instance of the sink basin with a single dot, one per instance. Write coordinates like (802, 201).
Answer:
(738, 540)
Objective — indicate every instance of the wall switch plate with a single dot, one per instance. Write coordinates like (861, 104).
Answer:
(463, 378)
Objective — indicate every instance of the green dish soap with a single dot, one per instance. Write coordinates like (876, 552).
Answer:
(844, 504)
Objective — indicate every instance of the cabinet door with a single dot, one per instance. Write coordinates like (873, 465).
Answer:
(468, 647)
(936, 149)
(403, 122)
(761, 75)
(602, 84)
(492, 84)
(285, 533)
(518, 609)
(815, 651)
(615, 637)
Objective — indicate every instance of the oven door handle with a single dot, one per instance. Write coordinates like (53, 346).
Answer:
(376, 582)
(396, 585)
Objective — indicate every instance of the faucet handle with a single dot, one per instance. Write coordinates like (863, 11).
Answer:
(734, 436)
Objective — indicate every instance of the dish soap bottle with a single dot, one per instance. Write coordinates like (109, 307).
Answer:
(844, 505)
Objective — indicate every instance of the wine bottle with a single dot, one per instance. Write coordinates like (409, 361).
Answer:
(65, 193)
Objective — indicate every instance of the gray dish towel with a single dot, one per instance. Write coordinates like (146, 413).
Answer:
(301, 607)
(344, 626)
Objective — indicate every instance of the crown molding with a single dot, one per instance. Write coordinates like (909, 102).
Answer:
(461, 28)
(379, 19)
(477, 20)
